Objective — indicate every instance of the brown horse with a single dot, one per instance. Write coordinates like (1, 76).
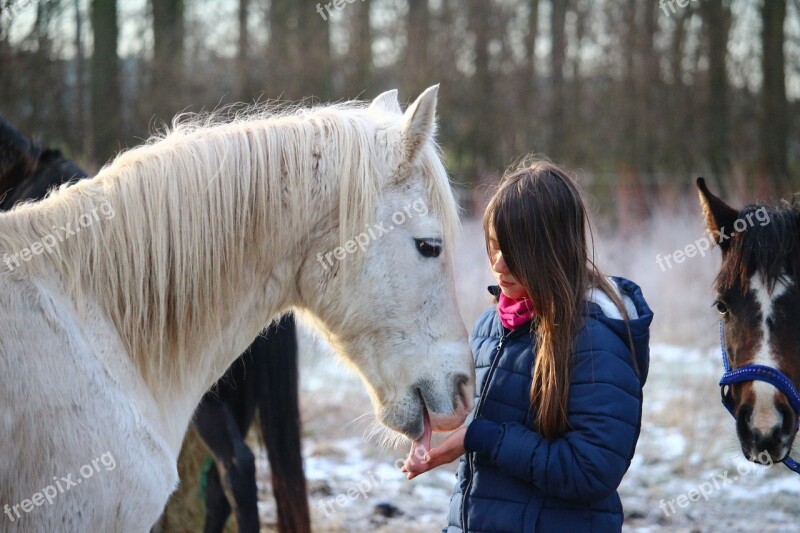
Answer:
(758, 299)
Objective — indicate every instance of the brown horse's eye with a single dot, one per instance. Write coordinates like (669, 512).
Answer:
(721, 307)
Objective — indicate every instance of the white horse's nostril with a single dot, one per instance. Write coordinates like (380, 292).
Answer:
(466, 397)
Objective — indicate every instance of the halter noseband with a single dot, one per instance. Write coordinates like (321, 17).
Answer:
(770, 375)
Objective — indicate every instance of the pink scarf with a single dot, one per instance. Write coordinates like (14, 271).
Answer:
(514, 312)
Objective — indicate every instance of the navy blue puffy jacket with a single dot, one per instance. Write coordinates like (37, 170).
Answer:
(514, 480)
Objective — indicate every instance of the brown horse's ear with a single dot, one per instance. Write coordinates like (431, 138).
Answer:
(719, 216)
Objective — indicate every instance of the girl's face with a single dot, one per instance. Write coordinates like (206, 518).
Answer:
(508, 283)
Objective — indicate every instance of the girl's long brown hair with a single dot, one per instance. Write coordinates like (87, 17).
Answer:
(540, 223)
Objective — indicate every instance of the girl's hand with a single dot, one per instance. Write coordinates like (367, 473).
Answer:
(448, 451)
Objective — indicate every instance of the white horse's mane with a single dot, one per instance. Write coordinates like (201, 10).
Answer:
(191, 203)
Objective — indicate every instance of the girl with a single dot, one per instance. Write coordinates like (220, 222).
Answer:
(560, 363)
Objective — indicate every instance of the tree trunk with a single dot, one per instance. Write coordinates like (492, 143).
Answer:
(775, 108)
(416, 69)
(244, 85)
(529, 100)
(360, 79)
(649, 82)
(483, 119)
(716, 20)
(632, 207)
(106, 109)
(312, 59)
(167, 57)
(576, 150)
(557, 59)
(80, 89)
(282, 22)
(681, 116)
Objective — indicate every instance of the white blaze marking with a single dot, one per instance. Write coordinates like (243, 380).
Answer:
(765, 415)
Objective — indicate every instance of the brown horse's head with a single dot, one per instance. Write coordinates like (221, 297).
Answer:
(759, 302)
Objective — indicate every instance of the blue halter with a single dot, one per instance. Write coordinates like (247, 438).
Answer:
(756, 373)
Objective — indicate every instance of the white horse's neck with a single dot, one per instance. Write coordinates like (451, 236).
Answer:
(194, 243)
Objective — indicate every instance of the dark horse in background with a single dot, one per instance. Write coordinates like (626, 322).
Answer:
(266, 374)
(758, 299)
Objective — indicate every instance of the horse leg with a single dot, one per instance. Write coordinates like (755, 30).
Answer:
(277, 360)
(235, 465)
(217, 507)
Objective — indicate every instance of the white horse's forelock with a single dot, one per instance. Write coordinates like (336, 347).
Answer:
(190, 205)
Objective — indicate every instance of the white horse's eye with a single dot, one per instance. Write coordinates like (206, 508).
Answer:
(429, 247)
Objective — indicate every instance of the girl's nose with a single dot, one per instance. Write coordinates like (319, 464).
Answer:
(500, 265)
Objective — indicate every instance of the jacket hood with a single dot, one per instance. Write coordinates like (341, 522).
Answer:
(640, 316)
(601, 308)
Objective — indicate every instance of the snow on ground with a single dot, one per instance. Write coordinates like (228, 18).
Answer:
(687, 448)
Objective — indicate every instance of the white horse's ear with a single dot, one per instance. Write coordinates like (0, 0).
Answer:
(419, 123)
(387, 102)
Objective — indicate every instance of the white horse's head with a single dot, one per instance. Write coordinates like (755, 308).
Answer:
(383, 289)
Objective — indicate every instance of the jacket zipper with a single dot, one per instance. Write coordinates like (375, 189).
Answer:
(470, 456)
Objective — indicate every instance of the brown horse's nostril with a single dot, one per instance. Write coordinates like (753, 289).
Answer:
(770, 443)
(788, 418)
(774, 441)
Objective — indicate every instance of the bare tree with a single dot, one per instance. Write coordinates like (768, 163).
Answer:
(312, 59)
(634, 95)
(577, 147)
(775, 108)
(360, 51)
(80, 78)
(482, 108)
(529, 93)
(167, 80)
(649, 81)
(244, 81)
(716, 20)
(630, 89)
(558, 19)
(416, 56)
(282, 24)
(106, 108)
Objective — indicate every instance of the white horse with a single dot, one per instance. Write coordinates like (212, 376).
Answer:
(125, 297)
